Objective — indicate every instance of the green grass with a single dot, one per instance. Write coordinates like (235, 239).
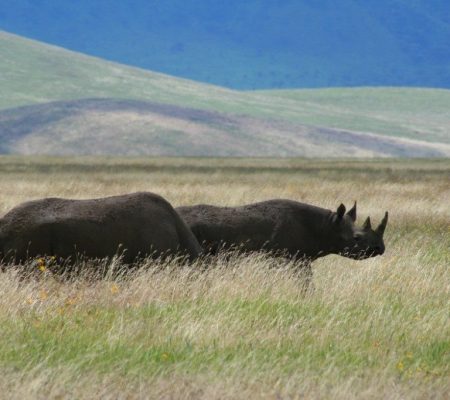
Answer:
(31, 73)
(243, 328)
(82, 338)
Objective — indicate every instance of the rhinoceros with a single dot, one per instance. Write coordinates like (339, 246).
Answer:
(136, 225)
(298, 230)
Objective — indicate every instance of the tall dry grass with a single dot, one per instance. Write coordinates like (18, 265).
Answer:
(238, 326)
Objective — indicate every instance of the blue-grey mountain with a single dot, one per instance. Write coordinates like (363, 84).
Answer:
(255, 43)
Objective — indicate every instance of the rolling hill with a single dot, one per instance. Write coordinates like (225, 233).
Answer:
(55, 101)
(135, 128)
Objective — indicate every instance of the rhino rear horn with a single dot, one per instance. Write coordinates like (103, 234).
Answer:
(352, 212)
(367, 225)
(382, 226)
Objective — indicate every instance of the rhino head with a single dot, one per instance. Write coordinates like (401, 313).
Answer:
(354, 242)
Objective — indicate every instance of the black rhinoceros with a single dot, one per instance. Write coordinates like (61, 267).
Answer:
(137, 225)
(299, 230)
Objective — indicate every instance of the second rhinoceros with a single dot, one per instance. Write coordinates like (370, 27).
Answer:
(299, 230)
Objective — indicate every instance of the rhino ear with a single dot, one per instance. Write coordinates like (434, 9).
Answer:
(352, 212)
(367, 225)
(340, 211)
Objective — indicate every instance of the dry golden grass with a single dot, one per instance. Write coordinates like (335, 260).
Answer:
(243, 329)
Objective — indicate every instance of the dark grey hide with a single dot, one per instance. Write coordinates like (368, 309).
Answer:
(135, 225)
(301, 231)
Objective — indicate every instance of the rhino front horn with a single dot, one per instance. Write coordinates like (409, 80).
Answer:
(383, 224)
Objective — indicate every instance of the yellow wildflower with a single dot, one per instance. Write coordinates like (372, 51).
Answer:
(71, 301)
(42, 268)
(114, 288)
(164, 356)
(400, 366)
(43, 294)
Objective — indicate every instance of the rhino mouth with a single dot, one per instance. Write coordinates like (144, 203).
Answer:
(365, 253)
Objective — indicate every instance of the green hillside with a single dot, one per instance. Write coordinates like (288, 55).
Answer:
(416, 113)
(34, 73)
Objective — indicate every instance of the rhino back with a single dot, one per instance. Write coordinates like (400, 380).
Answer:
(270, 225)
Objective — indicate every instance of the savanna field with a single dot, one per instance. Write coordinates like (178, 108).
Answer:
(237, 327)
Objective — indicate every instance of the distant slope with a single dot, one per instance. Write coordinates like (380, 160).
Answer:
(254, 44)
(422, 114)
(132, 127)
(35, 73)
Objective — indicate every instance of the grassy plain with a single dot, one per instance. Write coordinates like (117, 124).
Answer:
(377, 328)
